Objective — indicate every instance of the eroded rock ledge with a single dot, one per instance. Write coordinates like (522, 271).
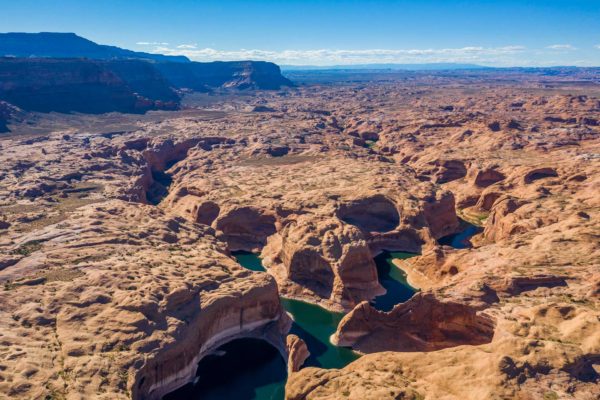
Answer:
(319, 220)
(423, 323)
(121, 301)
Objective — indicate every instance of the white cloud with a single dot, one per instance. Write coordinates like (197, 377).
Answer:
(152, 44)
(597, 46)
(187, 46)
(471, 54)
(561, 47)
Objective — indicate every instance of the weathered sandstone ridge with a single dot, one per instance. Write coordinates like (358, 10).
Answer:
(516, 315)
(121, 300)
(424, 323)
(115, 235)
(297, 353)
(311, 223)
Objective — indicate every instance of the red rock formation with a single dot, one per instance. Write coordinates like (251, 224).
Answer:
(245, 228)
(440, 214)
(501, 222)
(128, 283)
(327, 258)
(424, 323)
(297, 353)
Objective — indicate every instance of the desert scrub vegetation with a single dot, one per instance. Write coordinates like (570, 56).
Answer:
(29, 247)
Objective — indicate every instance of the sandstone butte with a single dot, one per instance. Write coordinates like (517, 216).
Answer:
(115, 247)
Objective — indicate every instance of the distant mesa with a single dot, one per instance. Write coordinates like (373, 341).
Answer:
(87, 86)
(8, 112)
(64, 72)
(381, 67)
(224, 74)
(69, 45)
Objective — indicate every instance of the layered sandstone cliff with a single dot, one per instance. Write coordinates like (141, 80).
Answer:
(67, 85)
(424, 323)
(229, 75)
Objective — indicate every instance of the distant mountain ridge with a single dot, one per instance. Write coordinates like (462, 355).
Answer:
(64, 72)
(69, 45)
(389, 66)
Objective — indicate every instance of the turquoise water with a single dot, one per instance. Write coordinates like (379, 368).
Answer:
(393, 279)
(252, 369)
(248, 260)
(461, 240)
(312, 323)
(315, 325)
(244, 369)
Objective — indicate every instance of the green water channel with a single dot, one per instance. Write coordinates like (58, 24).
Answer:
(393, 279)
(251, 369)
(312, 323)
(462, 238)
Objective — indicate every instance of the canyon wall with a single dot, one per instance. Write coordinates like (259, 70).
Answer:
(423, 323)
(123, 85)
(66, 73)
(67, 85)
(224, 74)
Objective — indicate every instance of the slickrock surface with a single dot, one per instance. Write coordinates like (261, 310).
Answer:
(518, 313)
(319, 217)
(122, 300)
(114, 243)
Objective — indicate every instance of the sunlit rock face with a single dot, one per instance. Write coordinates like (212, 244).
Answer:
(424, 323)
(329, 259)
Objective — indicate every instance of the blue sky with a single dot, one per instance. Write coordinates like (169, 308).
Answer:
(501, 33)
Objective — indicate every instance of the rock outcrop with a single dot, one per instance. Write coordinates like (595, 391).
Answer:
(424, 323)
(324, 260)
(228, 75)
(121, 301)
(297, 353)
